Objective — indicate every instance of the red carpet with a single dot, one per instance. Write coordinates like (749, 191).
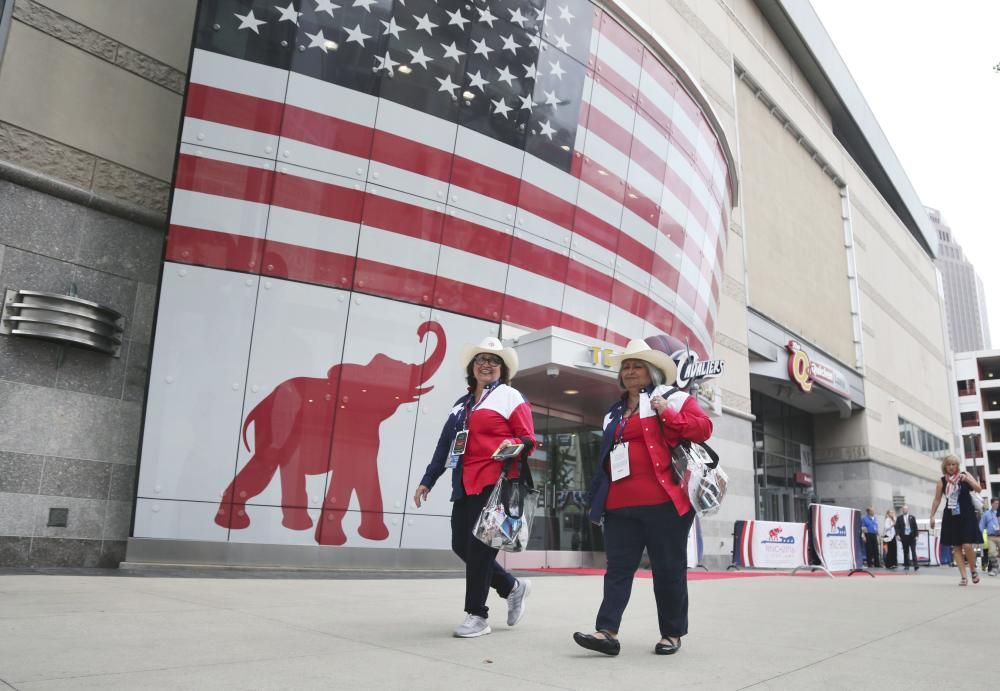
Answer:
(699, 575)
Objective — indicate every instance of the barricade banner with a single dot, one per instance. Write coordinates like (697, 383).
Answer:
(836, 536)
(695, 545)
(769, 544)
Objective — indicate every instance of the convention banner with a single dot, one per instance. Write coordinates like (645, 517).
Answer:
(769, 544)
(695, 545)
(836, 536)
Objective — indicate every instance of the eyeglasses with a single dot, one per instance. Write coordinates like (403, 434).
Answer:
(487, 360)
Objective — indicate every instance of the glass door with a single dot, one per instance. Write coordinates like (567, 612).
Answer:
(563, 467)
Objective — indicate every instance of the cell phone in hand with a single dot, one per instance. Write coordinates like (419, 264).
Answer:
(509, 451)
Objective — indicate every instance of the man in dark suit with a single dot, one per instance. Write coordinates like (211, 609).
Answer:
(906, 531)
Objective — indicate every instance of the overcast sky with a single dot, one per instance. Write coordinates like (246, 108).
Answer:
(926, 69)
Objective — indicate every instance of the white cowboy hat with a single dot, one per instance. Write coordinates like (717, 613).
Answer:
(638, 349)
(491, 346)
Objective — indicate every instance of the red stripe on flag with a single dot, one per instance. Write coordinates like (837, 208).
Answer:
(400, 217)
(397, 282)
(320, 198)
(400, 152)
(482, 179)
(326, 131)
(529, 314)
(476, 239)
(209, 176)
(548, 206)
(210, 248)
(464, 298)
(307, 264)
(233, 109)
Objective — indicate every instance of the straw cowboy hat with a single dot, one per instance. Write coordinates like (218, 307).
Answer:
(638, 349)
(491, 346)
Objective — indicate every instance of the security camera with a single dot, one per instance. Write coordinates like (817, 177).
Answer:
(552, 371)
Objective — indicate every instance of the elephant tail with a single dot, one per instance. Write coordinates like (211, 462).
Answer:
(250, 418)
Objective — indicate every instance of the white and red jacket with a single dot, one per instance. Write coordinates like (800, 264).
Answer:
(501, 413)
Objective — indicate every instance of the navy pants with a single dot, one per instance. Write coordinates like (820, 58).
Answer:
(482, 571)
(664, 535)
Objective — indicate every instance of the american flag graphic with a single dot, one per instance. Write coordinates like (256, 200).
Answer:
(520, 160)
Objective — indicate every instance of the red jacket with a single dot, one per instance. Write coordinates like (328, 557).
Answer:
(683, 418)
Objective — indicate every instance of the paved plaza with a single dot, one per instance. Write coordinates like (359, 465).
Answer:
(208, 630)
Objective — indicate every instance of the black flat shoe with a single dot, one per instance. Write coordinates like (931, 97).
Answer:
(667, 648)
(608, 646)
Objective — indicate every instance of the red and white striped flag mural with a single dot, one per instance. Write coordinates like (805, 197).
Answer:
(518, 160)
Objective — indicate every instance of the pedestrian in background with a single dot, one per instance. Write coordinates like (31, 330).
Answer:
(990, 523)
(906, 531)
(959, 526)
(869, 527)
(889, 539)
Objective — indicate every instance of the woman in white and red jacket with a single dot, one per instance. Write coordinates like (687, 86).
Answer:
(491, 416)
(638, 499)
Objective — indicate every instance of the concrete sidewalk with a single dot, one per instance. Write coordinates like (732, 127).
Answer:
(97, 631)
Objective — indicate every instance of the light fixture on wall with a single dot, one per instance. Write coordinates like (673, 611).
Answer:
(63, 319)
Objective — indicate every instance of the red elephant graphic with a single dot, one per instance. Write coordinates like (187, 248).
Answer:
(293, 427)
(774, 533)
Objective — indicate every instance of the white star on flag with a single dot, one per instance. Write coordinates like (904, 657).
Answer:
(367, 4)
(418, 57)
(318, 40)
(288, 13)
(456, 17)
(482, 48)
(391, 27)
(510, 44)
(530, 71)
(525, 102)
(564, 13)
(486, 16)
(550, 99)
(356, 35)
(500, 107)
(557, 70)
(424, 23)
(476, 81)
(326, 6)
(385, 63)
(248, 21)
(506, 76)
(447, 85)
(546, 129)
(562, 43)
(536, 41)
(452, 52)
(516, 17)
(539, 14)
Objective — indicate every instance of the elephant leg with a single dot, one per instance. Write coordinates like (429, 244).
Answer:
(330, 530)
(294, 498)
(369, 489)
(253, 479)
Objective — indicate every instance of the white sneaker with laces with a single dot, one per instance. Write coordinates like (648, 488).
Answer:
(515, 601)
(472, 627)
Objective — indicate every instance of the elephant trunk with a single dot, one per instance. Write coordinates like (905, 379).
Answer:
(434, 360)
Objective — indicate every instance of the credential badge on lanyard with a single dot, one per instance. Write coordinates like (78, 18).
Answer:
(461, 439)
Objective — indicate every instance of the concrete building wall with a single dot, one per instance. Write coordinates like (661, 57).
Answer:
(91, 96)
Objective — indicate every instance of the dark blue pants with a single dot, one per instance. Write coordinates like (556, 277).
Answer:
(482, 571)
(664, 535)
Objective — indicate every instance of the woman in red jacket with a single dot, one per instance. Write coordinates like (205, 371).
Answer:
(638, 499)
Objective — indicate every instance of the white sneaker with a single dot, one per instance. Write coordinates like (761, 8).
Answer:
(472, 627)
(515, 601)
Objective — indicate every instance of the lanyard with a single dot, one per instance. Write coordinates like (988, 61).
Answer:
(469, 408)
(620, 430)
